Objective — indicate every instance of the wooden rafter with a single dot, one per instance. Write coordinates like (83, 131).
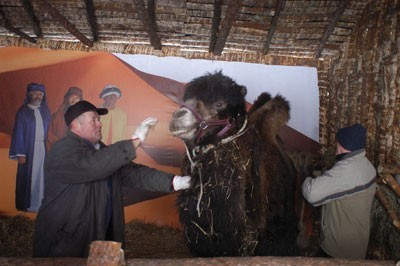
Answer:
(231, 13)
(215, 24)
(274, 22)
(147, 15)
(92, 19)
(32, 17)
(6, 24)
(64, 22)
(333, 20)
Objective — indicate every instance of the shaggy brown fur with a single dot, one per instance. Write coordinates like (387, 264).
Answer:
(241, 200)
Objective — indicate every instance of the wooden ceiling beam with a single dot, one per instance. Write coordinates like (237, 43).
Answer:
(147, 15)
(32, 17)
(332, 23)
(64, 22)
(279, 7)
(215, 24)
(6, 24)
(92, 19)
(231, 13)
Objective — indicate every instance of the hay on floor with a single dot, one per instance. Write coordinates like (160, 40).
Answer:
(149, 241)
(16, 234)
(143, 240)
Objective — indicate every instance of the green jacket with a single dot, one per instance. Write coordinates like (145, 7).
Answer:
(73, 211)
(345, 193)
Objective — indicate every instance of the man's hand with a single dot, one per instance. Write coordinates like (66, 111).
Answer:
(143, 128)
(21, 159)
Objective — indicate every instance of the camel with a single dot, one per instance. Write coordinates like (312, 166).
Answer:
(241, 198)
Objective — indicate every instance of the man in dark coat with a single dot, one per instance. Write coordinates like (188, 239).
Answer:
(83, 185)
(28, 147)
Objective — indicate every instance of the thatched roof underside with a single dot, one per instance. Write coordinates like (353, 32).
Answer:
(239, 30)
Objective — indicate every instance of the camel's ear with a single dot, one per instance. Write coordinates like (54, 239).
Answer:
(243, 90)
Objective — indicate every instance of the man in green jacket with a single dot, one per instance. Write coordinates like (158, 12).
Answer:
(345, 193)
(84, 178)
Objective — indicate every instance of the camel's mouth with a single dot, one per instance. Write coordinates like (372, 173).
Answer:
(178, 132)
(184, 133)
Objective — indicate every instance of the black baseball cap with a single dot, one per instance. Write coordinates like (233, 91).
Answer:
(79, 108)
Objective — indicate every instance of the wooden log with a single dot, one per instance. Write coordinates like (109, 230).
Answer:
(392, 183)
(388, 170)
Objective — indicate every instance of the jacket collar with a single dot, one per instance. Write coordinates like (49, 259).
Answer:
(88, 143)
(344, 156)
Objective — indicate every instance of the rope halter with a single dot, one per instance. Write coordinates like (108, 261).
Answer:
(203, 124)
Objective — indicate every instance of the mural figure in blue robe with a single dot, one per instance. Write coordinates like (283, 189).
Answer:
(28, 147)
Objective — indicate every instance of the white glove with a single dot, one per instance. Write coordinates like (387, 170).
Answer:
(181, 182)
(143, 128)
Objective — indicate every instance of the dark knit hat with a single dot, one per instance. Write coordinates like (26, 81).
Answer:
(110, 89)
(352, 137)
(79, 108)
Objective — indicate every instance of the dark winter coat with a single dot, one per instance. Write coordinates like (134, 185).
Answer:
(73, 210)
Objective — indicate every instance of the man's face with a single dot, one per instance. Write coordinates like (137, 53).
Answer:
(340, 149)
(90, 126)
(110, 100)
(35, 98)
(73, 99)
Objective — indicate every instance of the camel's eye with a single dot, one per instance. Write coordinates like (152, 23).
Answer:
(219, 105)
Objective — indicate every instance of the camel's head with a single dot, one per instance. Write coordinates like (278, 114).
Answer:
(213, 104)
